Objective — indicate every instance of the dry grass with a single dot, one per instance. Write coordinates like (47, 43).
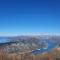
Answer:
(6, 56)
(26, 56)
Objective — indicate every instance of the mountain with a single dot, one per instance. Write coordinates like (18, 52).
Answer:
(27, 47)
(25, 43)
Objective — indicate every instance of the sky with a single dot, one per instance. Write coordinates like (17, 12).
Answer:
(19, 17)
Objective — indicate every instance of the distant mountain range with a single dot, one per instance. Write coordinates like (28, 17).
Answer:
(41, 37)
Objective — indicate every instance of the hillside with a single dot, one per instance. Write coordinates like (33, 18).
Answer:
(26, 47)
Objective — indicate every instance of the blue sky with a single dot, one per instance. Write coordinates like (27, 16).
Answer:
(29, 17)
